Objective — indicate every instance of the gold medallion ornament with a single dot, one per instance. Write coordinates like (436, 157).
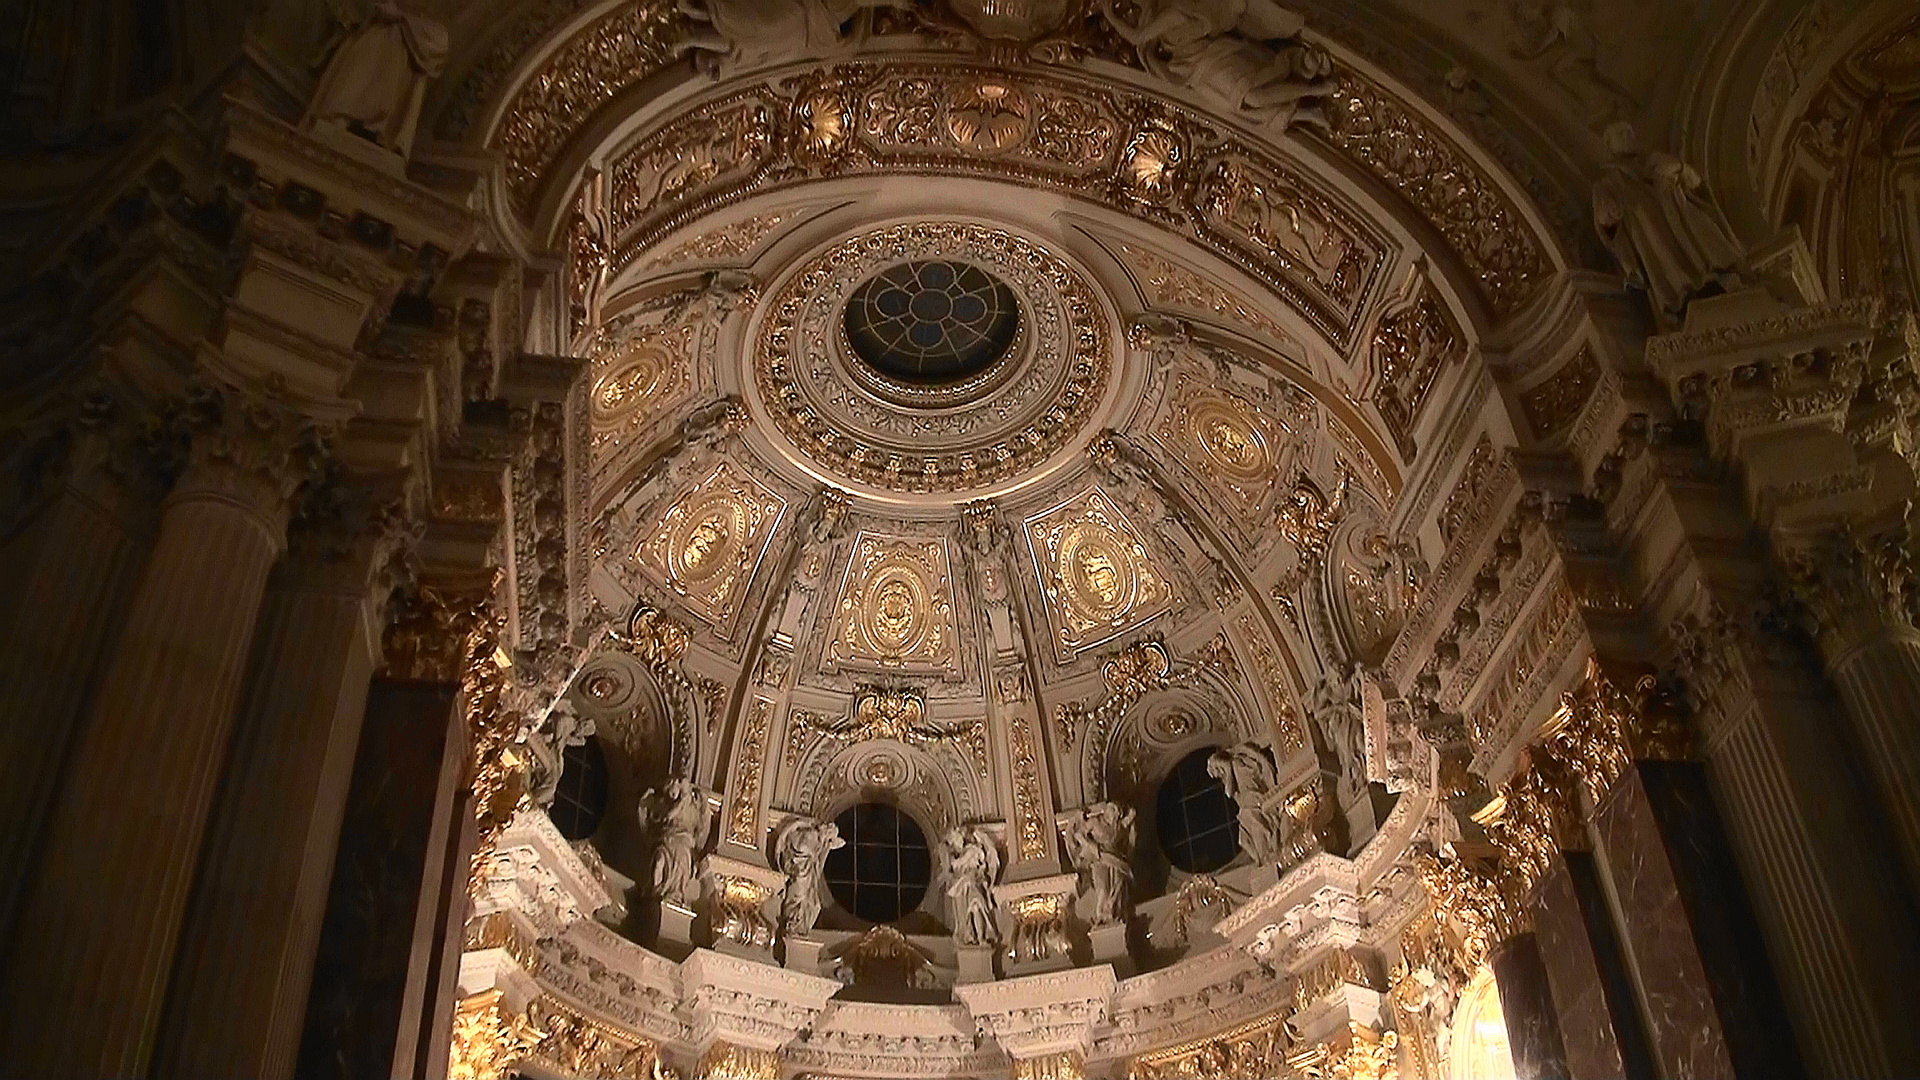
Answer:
(1095, 571)
(1240, 451)
(637, 378)
(707, 545)
(896, 607)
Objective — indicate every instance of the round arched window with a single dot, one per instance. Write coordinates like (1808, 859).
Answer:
(580, 800)
(1195, 818)
(883, 871)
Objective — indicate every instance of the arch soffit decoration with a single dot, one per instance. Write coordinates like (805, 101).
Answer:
(555, 94)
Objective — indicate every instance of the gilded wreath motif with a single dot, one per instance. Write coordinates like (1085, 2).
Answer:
(1095, 572)
(707, 544)
(896, 606)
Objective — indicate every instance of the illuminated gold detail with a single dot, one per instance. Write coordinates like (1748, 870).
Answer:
(896, 607)
(706, 546)
(1410, 348)
(723, 1061)
(726, 242)
(636, 381)
(1095, 572)
(487, 1042)
(1033, 833)
(966, 436)
(1065, 1065)
(627, 45)
(989, 115)
(743, 818)
(1255, 1049)
(1289, 735)
(1479, 221)
(1169, 284)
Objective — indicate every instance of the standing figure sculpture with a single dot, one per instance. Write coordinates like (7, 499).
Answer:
(677, 818)
(970, 864)
(376, 79)
(1100, 843)
(1339, 708)
(548, 741)
(1652, 211)
(801, 853)
(1247, 772)
(1245, 54)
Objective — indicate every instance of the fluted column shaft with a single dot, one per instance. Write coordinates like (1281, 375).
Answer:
(1879, 682)
(96, 934)
(237, 1003)
(70, 575)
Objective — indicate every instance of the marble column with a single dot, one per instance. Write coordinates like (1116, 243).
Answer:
(69, 574)
(1710, 1001)
(95, 938)
(237, 1003)
(388, 905)
(1587, 973)
(1526, 999)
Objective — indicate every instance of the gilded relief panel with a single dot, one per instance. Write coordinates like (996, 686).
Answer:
(1326, 262)
(896, 608)
(639, 375)
(1094, 571)
(708, 543)
(1037, 131)
(1411, 346)
(1240, 451)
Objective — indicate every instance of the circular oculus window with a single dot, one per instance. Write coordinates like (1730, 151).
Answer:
(933, 323)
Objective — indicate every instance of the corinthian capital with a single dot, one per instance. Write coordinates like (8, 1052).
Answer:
(253, 449)
(1855, 584)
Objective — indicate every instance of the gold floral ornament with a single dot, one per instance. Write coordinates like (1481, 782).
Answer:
(1095, 572)
(896, 607)
(706, 546)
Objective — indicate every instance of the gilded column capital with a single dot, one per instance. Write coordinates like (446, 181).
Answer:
(436, 628)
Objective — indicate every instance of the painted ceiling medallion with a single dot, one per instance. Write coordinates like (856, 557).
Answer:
(1095, 572)
(706, 546)
(834, 391)
(896, 607)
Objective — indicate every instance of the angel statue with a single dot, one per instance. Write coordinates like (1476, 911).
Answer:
(1100, 843)
(677, 818)
(1247, 772)
(969, 866)
(801, 850)
(1245, 54)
